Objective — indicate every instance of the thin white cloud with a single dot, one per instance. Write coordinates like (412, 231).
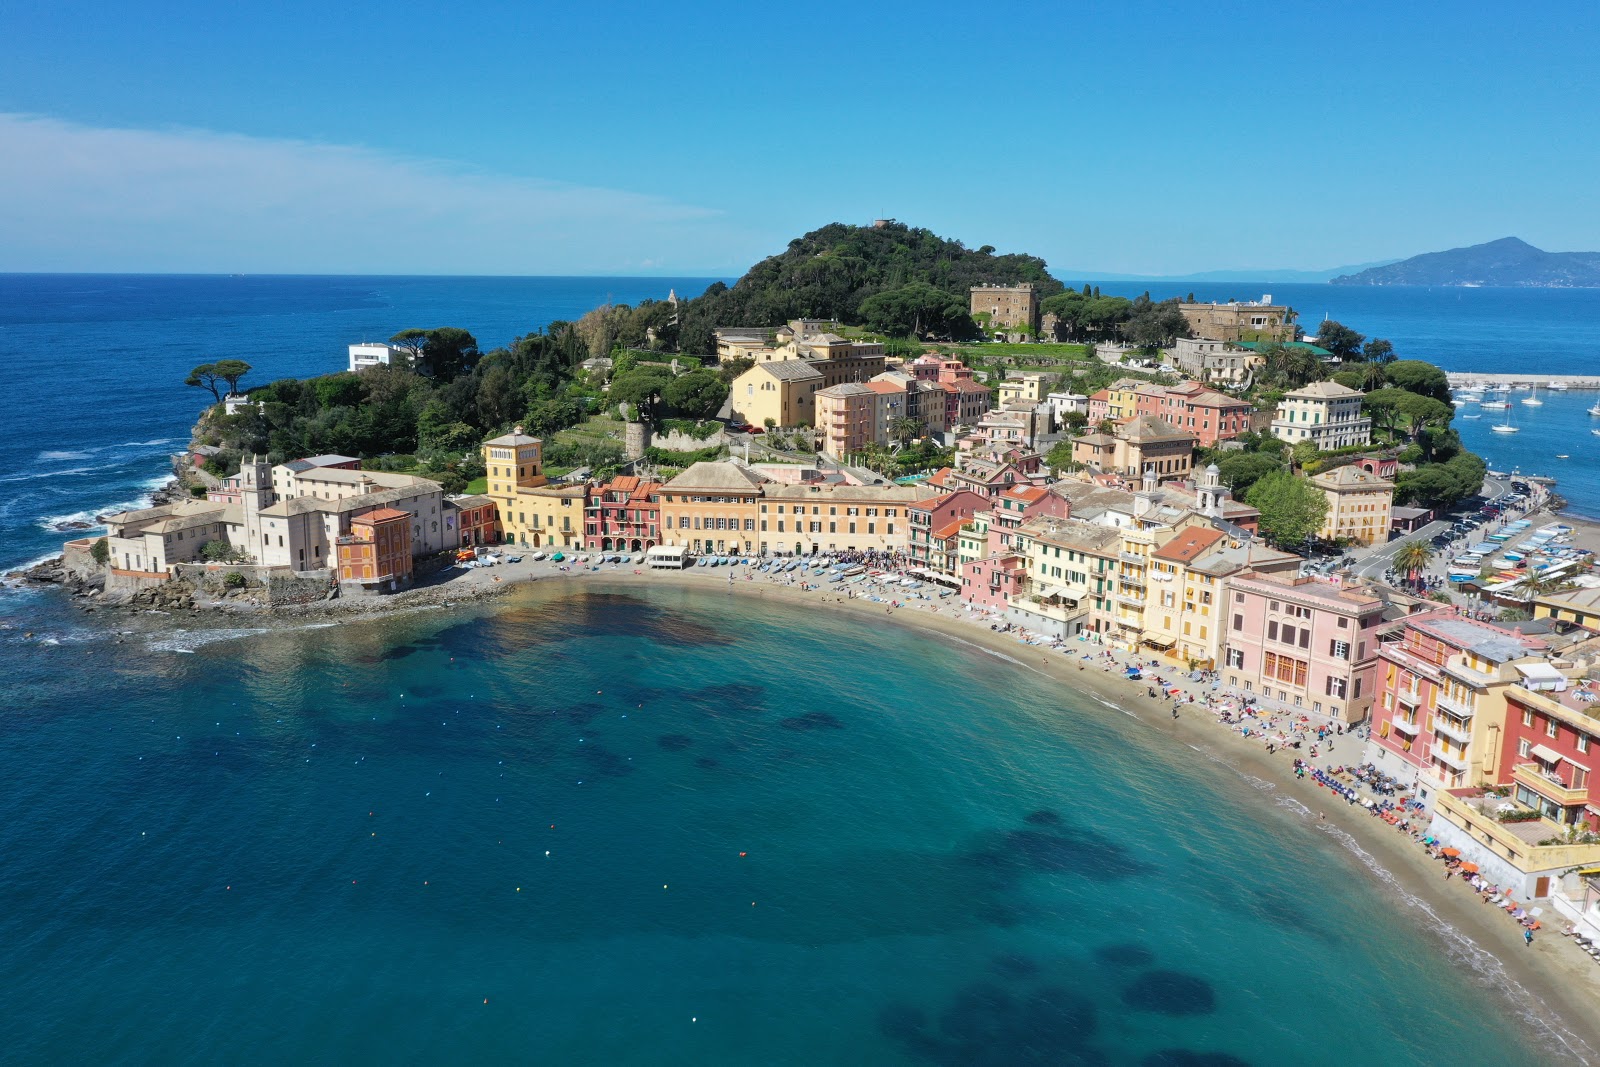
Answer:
(82, 198)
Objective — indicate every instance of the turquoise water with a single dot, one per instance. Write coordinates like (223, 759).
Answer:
(1558, 427)
(665, 827)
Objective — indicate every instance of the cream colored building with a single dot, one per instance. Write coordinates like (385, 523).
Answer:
(712, 508)
(1027, 388)
(783, 392)
(1145, 443)
(1325, 413)
(835, 518)
(1358, 505)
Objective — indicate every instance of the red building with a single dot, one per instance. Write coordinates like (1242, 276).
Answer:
(1552, 742)
(623, 515)
(376, 553)
(478, 520)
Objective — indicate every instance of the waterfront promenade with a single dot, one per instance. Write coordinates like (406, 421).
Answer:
(1462, 379)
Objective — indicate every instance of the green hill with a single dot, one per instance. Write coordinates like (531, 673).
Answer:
(837, 271)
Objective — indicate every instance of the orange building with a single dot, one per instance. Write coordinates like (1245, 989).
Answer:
(376, 553)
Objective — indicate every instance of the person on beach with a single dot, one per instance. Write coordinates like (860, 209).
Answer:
(1527, 938)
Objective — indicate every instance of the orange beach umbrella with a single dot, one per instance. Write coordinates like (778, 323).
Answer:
(1449, 852)
(1470, 868)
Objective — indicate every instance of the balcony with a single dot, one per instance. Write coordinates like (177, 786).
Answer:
(1409, 728)
(1135, 603)
(1132, 557)
(1455, 763)
(1408, 696)
(1549, 786)
(1460, 709)
(1461, 735)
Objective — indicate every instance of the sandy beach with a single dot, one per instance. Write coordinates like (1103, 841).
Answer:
(1556, 992)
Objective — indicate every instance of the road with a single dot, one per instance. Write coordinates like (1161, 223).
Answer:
(1377, 561)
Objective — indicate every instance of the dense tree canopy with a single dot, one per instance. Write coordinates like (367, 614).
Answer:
(829, 273)
(1341, 340)
(696, 395)
(919, 310)
(1292, 509)
(1420, 377)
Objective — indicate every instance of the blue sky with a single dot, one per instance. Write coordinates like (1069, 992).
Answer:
(526, 138)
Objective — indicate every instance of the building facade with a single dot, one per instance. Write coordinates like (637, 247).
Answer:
(1006, 307)
(1325, 413)
(1256, 320)
(623, 515)
(712, 508)
(1303, 643)
(1359, 505)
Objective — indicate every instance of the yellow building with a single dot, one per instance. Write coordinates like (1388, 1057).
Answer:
(782, 392)
(532, 512)
(1358, 505)
(1072, 574)
(712, 507)
(819, 517)
(1024, 389)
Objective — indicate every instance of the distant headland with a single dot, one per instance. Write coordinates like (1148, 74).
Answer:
(1509, 261)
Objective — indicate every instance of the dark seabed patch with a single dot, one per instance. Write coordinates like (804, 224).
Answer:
(811, 720)
(1043, 817)
(1124, 955)
(674, 742)
(1066, 849)
(729, 698)
(1014, 966)
(707, 762)
(985, 1025)
(1170, 993)
(399, 652)
(1185, 1057)
(603, 761)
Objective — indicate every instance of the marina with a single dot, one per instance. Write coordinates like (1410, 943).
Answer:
(1478, 381)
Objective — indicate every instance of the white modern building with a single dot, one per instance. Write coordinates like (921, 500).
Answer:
(375, 354)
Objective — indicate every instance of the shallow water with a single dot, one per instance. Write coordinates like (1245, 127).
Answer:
(666, 826)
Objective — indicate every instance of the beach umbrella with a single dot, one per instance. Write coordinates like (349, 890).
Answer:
(1449, 852)
(1470, 868)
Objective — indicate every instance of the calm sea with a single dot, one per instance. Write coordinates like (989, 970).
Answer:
(667, 827)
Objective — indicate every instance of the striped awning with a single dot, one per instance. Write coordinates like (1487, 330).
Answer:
(1547, 755)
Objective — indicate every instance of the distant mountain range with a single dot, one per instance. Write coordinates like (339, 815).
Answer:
(1279, 274)
(1509, 261)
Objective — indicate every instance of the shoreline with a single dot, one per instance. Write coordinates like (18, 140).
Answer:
(1557, 1002)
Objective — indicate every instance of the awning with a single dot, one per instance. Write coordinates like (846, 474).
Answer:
(1159, 641)
(1548, 755)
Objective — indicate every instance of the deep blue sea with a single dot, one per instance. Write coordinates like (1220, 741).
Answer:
(514, 833)
(653, 826)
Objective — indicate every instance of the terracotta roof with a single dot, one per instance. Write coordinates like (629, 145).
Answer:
(624, 483)
(1030, 493)
(382, 515)
(949, 529)
(1188, 544)
(886, 388)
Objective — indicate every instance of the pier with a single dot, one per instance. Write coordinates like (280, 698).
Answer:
(1464, 379)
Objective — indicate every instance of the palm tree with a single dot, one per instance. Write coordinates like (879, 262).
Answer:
(1536, 584)
(904, 429)
(1413, 557)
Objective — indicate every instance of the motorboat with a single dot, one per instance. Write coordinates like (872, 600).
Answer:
(1496, 405)
(1594, 409)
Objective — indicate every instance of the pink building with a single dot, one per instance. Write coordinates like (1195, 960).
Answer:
(1308, 643)
(932, 520)
(1441, 699)
(993, 581)
(1016, 506)
(1207, 414)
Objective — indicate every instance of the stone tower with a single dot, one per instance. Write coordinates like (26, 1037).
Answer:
(635, 439)
(255, 483)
